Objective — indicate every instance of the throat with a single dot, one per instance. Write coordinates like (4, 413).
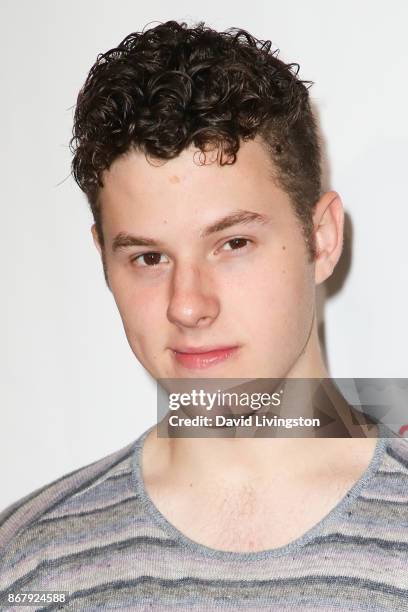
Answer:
(230, 513)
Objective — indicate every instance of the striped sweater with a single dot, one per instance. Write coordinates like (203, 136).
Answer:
(96, 534)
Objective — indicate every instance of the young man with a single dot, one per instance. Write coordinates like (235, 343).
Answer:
(199, 155)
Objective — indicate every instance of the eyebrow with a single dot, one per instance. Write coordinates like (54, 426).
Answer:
(237, 217)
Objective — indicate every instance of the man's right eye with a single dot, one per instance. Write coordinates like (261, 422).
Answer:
(147, 259)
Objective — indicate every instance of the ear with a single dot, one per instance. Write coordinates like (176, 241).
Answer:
(328, 220)
(96, 239)
(101, 253)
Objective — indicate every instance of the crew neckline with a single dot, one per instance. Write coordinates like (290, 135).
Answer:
(176, 535)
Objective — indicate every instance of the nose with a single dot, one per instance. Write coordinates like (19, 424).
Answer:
(192, 301)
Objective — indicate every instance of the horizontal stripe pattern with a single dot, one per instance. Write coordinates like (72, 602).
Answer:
(95, 533)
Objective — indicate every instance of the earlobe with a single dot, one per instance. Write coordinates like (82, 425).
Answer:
(328, 221)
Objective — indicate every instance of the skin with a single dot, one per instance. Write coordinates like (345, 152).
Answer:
(257, 293)
(195, 293)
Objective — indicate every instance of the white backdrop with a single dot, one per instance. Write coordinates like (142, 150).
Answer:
(71, 390)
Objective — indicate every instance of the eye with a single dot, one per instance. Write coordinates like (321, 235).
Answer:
(237, 243)
(146, 260)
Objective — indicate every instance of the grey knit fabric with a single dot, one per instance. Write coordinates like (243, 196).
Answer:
(96, 534)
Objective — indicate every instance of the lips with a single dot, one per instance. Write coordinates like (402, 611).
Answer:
(197, 358)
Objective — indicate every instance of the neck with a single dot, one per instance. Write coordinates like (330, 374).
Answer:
(241, 460)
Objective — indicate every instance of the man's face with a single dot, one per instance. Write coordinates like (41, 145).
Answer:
(243, 285)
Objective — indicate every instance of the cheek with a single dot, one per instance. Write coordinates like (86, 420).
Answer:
(139, 312)
(142, 327)
(276, 296)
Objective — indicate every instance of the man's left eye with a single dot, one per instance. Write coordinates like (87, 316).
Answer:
(236, 243)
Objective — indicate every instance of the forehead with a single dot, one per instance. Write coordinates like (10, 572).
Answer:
(191, 167)
(184, 186)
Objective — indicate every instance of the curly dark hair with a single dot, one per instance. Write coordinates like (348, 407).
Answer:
(171, 86)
